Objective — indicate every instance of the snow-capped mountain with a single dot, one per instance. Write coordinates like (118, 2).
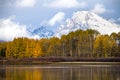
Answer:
(42, 32)
(87, 20)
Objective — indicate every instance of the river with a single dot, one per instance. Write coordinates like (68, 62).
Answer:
(60, 71)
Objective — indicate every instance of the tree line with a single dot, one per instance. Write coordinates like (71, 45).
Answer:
(81, 43)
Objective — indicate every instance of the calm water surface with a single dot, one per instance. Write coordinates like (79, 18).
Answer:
(60, 72)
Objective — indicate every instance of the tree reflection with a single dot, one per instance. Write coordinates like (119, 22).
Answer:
(2, 74)
(61, 73)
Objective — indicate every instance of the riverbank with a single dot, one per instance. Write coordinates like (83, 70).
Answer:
(92, 63)
(49, 60)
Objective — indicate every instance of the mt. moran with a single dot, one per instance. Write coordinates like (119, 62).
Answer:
(87, 20)
(80, 20)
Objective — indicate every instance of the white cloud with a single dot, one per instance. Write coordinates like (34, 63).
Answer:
(10, 30)
(99, 9)
(57, 18)
(25, 3)
(65, 4)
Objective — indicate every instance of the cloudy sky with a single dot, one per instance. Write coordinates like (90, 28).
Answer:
(18, 15)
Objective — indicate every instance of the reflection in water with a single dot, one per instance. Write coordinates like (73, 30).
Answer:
(2, 74)
(61, 73)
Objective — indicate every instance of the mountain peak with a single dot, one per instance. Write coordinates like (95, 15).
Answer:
(43, 32)
(87, 20)
(79, 13)
(82, 17)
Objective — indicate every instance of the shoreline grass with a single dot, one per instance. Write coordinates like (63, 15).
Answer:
(50, 60)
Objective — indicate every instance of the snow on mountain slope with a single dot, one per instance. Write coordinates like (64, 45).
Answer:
(87, 20)
(42, 32)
